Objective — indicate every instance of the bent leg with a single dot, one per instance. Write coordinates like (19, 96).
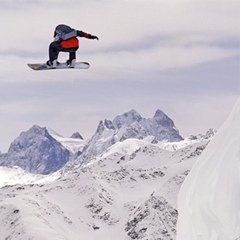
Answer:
(71, 51)
(54, 49)
(72, 55)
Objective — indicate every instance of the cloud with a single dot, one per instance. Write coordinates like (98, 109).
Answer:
(125, 28)
(178, 56)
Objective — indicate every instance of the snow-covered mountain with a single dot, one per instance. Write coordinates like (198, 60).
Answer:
(131, 125)
(209, 200)
(36, 151)
(129, 184)
(43, 151)
(130, 189)
(160, 126)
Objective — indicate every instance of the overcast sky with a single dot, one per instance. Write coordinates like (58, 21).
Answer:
(180, 56)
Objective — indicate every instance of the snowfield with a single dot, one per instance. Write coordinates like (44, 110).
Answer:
(130, 189)
(16, 175)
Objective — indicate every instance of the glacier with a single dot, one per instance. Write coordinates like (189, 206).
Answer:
(209, 199)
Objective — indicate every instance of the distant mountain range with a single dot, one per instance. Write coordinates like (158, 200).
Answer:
(42, 151)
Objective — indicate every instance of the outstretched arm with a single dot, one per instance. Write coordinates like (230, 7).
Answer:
(86, 35)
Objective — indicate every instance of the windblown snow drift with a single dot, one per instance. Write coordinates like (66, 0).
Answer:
(209, 200)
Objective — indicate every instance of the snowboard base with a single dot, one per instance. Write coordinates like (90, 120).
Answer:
(43, 66)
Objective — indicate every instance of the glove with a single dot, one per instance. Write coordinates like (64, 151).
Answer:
(93, 37)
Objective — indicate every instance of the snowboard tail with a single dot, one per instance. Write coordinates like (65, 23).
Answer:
(43, 66)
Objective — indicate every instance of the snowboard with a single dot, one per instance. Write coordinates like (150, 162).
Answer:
(43, 66)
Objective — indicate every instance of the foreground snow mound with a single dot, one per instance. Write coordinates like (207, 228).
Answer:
(209, 200)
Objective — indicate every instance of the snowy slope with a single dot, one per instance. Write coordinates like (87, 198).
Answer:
(209, 200)
(130, 189)
(16, 175)
(74, 144)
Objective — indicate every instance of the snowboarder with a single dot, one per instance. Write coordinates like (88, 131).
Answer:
(65, 40)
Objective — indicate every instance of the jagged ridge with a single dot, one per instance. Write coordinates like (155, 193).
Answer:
(41, 150)
(36, 151)
(131, 125)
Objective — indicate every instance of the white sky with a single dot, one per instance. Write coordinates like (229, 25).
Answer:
(180, 56)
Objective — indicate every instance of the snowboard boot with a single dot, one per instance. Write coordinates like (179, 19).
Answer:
(52, 64)
(71, 63)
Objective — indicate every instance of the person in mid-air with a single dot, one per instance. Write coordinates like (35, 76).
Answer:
(65, 40)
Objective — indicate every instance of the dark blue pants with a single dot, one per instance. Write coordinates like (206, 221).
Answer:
(55, 48)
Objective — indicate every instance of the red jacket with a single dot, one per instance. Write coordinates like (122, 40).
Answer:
(62, 30)
(70, 43)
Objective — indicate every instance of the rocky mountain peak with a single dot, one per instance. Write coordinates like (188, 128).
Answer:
(127, 118)
(104, 125)
(36, 151)
(41, 150)
(108, 124)
(130, 125)
(162, 119)
(159, 114)
(100, 127)
(76, 135)
(28, 138)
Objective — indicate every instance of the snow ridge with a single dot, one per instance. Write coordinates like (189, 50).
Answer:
(209, 200)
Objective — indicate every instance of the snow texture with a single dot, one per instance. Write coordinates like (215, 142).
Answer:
(128, 183)
(209, 200)
(130, 189)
